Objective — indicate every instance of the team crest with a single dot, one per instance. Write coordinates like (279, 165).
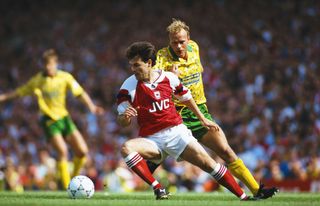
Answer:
(157, 95)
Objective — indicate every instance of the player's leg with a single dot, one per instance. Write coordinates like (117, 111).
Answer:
(77, 143)
(134, 152)
(152, 166)
(53, 131)
(216, 140)
(196, 155)
(179, 143)
(60, 147)
(80, 149)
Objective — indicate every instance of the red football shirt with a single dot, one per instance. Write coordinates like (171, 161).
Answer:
(153, 101)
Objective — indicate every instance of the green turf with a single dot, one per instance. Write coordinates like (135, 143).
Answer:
(141, 199)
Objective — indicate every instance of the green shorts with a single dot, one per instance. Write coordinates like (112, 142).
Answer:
(192, 121)
(63, 126)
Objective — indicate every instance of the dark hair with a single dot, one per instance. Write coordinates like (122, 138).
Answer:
(145, 50)
(48, 54)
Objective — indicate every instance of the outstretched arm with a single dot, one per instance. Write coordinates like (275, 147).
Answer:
(92, 107)
(185, 97)
(7, 96)
(191, 104)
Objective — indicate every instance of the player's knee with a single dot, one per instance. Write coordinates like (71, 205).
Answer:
(62, 153)
(126, 149)
(82, 152)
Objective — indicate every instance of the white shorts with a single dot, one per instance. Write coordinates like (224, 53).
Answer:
(171, 141)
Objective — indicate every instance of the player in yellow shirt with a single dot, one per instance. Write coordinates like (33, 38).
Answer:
(50, 87)
(182, 58)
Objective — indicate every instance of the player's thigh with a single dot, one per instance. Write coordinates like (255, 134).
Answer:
(196, 155)
(77, 143)
(217, 141)
(146, 148)
(59, 145)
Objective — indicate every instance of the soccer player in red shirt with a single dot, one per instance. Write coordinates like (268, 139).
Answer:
(147, 95)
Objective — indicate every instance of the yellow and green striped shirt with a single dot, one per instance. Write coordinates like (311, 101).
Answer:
(190, 70)
(51, 92)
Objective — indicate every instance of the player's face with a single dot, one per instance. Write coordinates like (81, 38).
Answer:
(51, 66)
(140, 68)
(179, 42)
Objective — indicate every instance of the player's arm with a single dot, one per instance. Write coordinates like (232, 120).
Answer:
(78, 91)
(191, 104)
(184, 96)
(8, 96)
(24, 90)
(89, 103)
(125, 110)
(187, 100)
(124, 119)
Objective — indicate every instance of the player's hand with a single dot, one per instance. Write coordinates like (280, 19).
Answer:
(210, 125)
(2, 97)
(125, 118)
(130, 112)
(174, 69)
(98, 110)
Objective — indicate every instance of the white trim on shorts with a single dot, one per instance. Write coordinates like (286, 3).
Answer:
(171, 141)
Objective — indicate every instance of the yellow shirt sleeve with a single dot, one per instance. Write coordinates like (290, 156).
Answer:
(74, 86)
(195, 46)
(29, 87)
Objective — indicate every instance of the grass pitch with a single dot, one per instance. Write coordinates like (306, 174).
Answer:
(147, 199)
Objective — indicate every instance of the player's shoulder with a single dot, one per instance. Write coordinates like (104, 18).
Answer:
(193, 45)
(171, 76)
(63, 73)
(130, 83)
(168, 74)
(37, 77)
(164, 52)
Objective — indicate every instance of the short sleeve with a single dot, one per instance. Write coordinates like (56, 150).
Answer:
(73, 85)
(123, 100)
(181, 92)
(197, 50)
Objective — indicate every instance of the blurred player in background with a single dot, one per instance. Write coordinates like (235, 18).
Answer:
(182, 58)
(50, 87)
(148, 95)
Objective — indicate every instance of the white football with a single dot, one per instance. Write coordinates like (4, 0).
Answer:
(80, 187)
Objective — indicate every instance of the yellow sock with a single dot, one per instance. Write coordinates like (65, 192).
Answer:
(78, 163)
(240, 171)
(64, 173)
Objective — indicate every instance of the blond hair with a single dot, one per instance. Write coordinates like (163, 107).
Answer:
(177, 25)
(48, 54)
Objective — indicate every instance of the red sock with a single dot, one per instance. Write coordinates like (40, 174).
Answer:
(224, 177)
(140, 167)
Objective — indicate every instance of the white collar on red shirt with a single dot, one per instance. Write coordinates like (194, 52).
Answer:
(154, 84)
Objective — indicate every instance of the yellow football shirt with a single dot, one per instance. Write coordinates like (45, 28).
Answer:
(190, 69)
(51, 92)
